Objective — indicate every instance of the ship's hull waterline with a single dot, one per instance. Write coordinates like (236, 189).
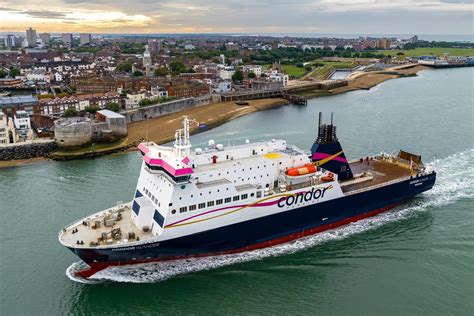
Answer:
(261, 232)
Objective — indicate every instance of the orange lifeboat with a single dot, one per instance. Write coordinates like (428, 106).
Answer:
(300, 171)
(328, 178)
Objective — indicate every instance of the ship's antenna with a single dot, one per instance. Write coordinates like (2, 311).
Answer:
(320, 121)
(332, 116)
(146, 135)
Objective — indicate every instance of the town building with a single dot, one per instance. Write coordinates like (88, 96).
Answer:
(22, 124)
(67, 38)
(147, 57)
(31, 37)
(10, 82)
(227, 72)
(10, 41)
(85, 39)
(187, 89)
(257, 70)
(383, 43)
(10, 105)
(133, 100)
(8, 133)
(116, 123)
(158, 91)
(155, 46)
(222, 87)
(45, 38)
(57, 106)
(3, 129)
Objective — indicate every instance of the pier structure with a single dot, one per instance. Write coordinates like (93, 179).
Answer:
(289, 92)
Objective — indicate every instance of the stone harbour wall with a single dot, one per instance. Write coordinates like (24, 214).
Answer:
(156, 110)
(27, 151)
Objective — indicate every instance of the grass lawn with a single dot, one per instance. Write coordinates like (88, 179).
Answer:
(290, 70)
(329, 66)
(425, 51)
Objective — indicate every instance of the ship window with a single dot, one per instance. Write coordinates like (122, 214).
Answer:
(210, 203)
(252, 194)
(236, 198)
(173, 212)
(183, 209)
(227, 200)
(259, 194)
(218, 202)
(171, 204)
(244, 196)
(192, 207)
(202, 205)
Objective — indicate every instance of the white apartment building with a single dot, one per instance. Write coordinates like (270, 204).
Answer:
(159, 92)
(226, 73)
(257, 70)
(225, 86)
(3, 129)
(132, 101)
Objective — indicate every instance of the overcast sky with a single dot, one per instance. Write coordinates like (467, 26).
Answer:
(240, 16)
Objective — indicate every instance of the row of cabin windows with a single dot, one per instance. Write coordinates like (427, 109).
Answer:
(216, 202)
(151, 196)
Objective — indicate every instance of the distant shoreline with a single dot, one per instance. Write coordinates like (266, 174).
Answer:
(161, 129)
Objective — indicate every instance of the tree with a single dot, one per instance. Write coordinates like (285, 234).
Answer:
(137, 73)
(177, 67)
(251, 75)
(238, 76)
(3, 73)
(71, 112)
(92, 109)
(127, 67)
(113, 106)
(160, 72)
(14, 72)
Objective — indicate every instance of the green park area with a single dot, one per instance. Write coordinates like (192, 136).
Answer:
(322, 69)
(426, 51)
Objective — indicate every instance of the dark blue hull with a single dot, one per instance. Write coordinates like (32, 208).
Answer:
(265, 231)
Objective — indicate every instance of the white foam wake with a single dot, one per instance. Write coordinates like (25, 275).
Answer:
(455, 181)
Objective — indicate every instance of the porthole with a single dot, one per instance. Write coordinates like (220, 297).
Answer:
(173, 212)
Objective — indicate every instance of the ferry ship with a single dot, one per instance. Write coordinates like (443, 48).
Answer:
(228, 199)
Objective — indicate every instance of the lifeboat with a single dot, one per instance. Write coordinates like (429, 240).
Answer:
(300, 171)
(328, 177)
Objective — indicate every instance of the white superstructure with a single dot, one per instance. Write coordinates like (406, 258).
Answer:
(181, 191)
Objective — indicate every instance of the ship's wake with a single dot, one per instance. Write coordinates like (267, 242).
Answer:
(455, 181)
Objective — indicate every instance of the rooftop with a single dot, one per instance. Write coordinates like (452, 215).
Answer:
(110, 114)
(17, 100)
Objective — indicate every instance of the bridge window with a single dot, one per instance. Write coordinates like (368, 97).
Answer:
(159, 219)
(210, 203)
(244, 196)
(227, 200)
(202, 205)
(192, 207)
(183, 209)
(236, 198)
(219, 202)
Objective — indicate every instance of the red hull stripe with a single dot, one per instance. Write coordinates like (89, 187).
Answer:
(98, 266)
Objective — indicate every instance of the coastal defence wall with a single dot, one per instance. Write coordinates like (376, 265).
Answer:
(27, 151)
(164, 108)
(71, 132)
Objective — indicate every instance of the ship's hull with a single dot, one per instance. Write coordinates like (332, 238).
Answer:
(262, 232)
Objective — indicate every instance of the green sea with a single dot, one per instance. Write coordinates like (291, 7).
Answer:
(417, 259)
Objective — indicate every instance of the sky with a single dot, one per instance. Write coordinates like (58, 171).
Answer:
(240, 16)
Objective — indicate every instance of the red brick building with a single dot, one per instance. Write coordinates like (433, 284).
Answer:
(187, 89)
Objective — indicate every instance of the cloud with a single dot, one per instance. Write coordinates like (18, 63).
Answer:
(341, 16)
